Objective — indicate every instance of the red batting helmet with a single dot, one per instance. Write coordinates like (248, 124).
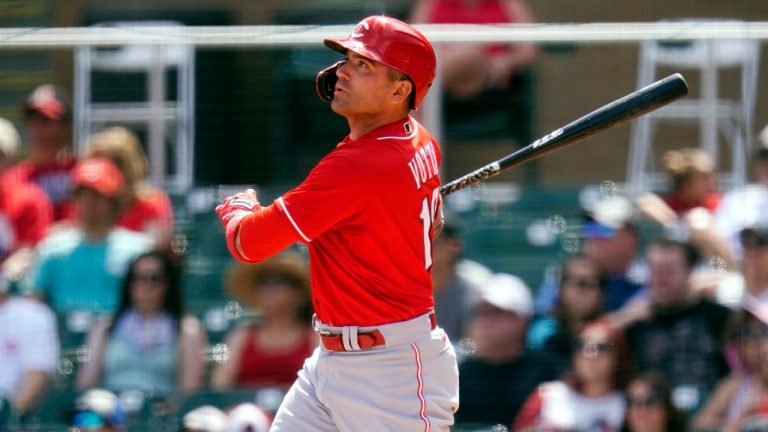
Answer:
(388, 41)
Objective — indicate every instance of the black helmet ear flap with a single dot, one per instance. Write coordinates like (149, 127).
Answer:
(325, 83)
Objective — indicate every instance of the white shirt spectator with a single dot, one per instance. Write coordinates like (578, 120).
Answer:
(28, 342)
(741, 208)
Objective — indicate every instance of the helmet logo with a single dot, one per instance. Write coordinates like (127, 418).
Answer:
(358, 33)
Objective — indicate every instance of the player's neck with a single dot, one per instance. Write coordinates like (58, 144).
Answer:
(361, 125)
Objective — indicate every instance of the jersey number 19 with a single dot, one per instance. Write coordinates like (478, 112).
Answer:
(428, 214)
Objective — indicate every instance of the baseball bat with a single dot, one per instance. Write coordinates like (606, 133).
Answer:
(620, 111)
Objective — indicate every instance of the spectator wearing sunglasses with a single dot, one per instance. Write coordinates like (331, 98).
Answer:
(650, 407)
(150, 344)
(98, 410)
(271, 351)
(612, 240)
(741, 394)
(590, 397)
(500, 372)
(580, 299)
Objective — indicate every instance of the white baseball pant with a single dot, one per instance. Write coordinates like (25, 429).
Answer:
(409, 384)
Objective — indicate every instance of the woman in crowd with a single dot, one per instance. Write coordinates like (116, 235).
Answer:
(580, 299)
(743, 393)
(145, 207)
(271, 351)
(590, 397)
(649, 406)
(150, 344)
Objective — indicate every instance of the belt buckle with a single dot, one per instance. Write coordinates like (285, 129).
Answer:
(317, 328)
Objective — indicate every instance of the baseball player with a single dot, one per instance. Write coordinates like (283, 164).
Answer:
(368, 213)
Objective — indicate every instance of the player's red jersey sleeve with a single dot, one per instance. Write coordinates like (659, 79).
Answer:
(367, 212)
(336, 190)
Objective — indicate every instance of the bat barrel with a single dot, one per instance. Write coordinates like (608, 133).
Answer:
(620, 111)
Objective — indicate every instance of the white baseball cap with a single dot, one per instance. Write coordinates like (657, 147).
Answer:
(9, 138)
(248, 417)
(509, 293)
(206, 418)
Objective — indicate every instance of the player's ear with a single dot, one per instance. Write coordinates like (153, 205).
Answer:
(403, 90)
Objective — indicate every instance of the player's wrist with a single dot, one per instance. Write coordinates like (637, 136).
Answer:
(232, 230)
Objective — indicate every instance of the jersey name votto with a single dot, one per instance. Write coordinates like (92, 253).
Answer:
(424, 164)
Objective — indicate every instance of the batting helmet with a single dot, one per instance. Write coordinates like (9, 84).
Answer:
(388, 41)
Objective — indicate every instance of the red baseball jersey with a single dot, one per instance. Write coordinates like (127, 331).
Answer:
(367, 212)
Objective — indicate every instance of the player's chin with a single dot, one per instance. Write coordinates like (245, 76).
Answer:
(339, 106)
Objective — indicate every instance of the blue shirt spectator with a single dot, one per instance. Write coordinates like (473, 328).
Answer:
(80, 267)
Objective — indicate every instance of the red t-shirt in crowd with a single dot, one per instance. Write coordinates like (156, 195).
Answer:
(261, 367)
(151, 208)
(25, 215)
(53, 178)
(711, 202)
(478, 12)
(367, 212)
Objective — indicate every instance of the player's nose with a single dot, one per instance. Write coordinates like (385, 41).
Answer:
(341, 72)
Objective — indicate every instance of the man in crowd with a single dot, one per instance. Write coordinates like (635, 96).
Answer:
(498, 377)
(679, 334)
(48, 123)
(81, 267)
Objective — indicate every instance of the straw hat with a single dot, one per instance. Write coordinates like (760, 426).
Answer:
(242, 279)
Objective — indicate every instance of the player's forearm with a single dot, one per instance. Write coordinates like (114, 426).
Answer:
(264, 233)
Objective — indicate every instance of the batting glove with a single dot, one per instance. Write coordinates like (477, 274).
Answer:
(234, 209)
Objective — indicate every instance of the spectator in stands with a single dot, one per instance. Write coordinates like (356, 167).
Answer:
(688, 209)
(754, 244)
(149, 344)
(482, 81)
(612, 240)
(29, 348)
(468, 69)
(99, 410)
(650, 407)
(248, 417)
(48, 121)
(677, 333)
(145, 208)
(590, 397)
(580, 299)
(747, 205)
(742, 393)
(206, 418)
(272, 351)
(80, 267)
(454, 293)
(495, 380)
(25, 211)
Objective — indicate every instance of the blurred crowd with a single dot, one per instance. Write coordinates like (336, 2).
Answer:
(629, 333)
(667, 333)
